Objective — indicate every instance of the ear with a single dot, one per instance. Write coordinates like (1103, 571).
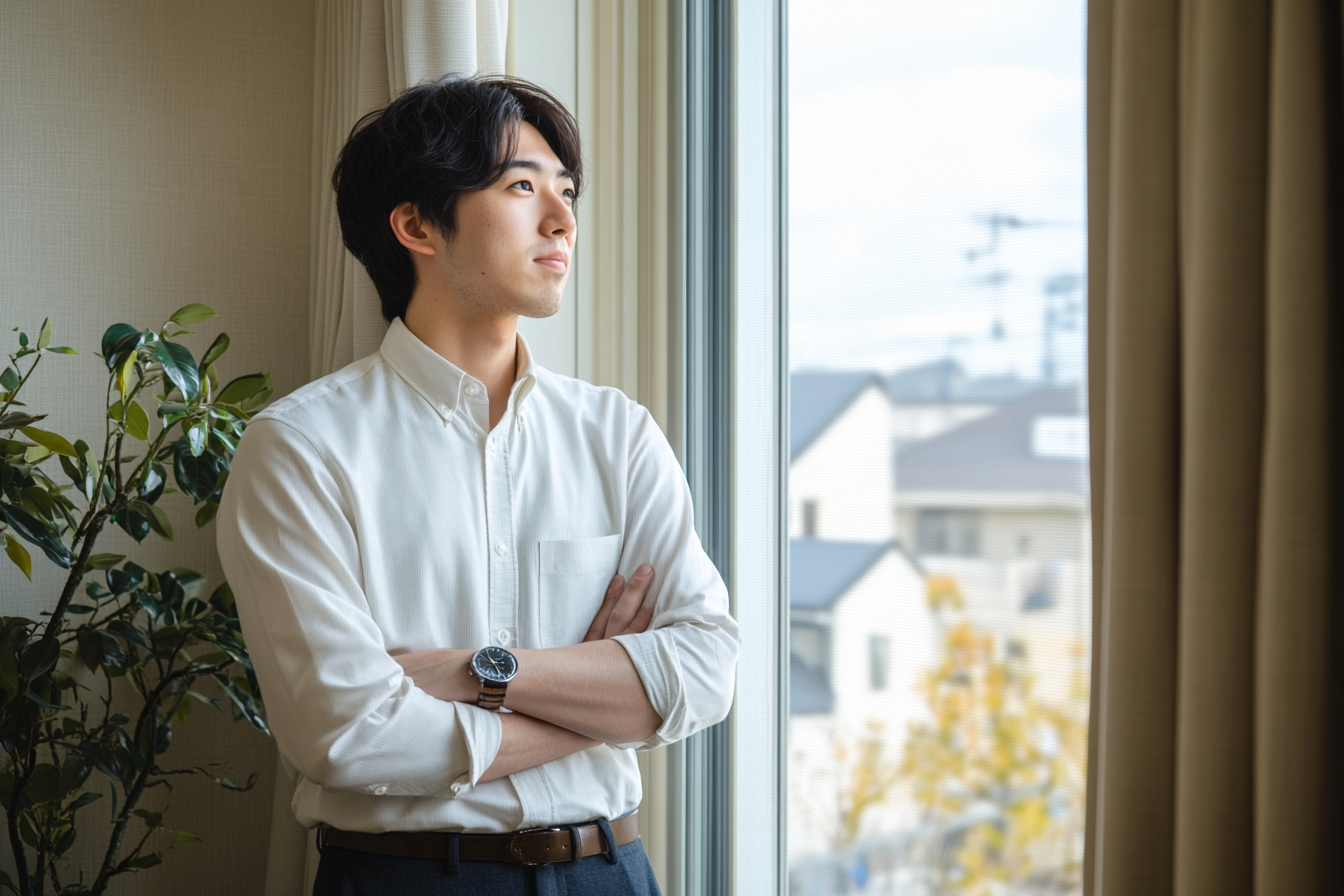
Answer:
(413, 231)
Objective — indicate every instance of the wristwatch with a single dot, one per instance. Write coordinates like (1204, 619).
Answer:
(494, 667)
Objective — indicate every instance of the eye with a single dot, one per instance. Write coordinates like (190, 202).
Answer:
(569, 194)
(525, 184)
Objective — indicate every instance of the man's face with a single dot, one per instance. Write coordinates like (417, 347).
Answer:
(515, 238)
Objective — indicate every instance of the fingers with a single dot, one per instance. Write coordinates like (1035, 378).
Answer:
(641, 621)
(598, 630)
(631, 601)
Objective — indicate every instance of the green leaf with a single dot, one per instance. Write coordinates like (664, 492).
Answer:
(142, 862)
(206, 513)
(192, 314)
(238, 691)
(74, 771)
(35, 454)
(44, 336)
(84, 800)
(158, 520)
(180, 368)
(67, 840)
(9, 672)
(39, 533)
(137, 422)
(241, 390)
(89, 649)
(72, 471)
(213, 353)
(14, 420)
(49, 440)
(23, 340)
(104, 561)
(152, 819)
(118, 341)
(22, 559)
(9, 380)
(196, 475)
(62, 350)
(45, 782)
(182, 838)
(38, 658)
(196, 437)
(7, 881)
(128, 632)
(124, 371)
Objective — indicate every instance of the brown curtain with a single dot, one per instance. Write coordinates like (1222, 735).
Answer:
(1214, 164)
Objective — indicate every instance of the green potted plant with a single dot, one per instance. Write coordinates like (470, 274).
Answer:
(157, 636)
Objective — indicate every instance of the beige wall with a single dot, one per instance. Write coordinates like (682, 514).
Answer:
(154, 153)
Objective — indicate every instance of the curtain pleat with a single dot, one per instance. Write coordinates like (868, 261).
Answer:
(366, 52)
(1211, 385)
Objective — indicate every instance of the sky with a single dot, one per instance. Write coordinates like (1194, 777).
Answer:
(911, 124)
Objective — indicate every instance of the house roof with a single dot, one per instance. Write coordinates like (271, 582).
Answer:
(816, 397)
(821, 571)
(996, 453)
(945, 382)
(809, 689)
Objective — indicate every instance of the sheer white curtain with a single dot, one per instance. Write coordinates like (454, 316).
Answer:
(367, 51)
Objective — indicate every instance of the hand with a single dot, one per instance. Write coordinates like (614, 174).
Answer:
(623, 611)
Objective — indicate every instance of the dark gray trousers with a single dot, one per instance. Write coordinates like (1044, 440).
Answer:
(344, 872)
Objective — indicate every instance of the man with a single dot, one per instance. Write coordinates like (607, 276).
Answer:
(470, 586)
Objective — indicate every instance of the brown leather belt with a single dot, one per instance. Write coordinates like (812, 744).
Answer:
(521, 847)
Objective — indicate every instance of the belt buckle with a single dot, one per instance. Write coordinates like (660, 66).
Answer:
(516, 847)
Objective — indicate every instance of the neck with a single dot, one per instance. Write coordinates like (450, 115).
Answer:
(485, 346)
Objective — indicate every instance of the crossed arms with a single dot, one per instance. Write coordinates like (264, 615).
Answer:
(320, 558)
(564, 699)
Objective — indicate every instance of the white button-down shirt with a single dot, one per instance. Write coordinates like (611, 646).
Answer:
(374, 512)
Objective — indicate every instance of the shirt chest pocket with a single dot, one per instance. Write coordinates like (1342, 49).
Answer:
(574, 578)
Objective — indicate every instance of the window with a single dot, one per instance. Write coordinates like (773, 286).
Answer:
(879, 649)
(951, 533)
(936, 321)
(810, 519)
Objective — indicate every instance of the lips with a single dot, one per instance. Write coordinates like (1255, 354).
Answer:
(556, 261)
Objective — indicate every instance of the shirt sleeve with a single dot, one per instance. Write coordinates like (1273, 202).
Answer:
(341, 709)
(688, 657)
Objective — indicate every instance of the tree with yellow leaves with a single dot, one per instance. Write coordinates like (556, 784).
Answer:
(997, 774)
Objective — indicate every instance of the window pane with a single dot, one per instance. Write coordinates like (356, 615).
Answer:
(939, 518)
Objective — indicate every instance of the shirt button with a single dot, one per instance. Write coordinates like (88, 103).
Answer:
(443, 409)
(501, 549)
(504, 636)
(472, 389)
(394, 681)
(380, 790)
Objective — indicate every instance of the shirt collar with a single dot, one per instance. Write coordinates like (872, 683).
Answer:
(438, 380)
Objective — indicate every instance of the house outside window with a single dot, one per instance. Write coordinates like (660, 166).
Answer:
(936, 323)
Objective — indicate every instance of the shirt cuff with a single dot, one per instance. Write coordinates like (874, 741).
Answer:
(481, 732)
(659, 670)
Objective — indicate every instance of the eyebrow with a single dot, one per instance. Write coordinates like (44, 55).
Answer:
(533, 166)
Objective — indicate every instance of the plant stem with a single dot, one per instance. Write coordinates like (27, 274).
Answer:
(76, 576)
(19, 387)
(15, 844)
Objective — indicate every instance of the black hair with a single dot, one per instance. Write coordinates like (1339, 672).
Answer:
(431, 144)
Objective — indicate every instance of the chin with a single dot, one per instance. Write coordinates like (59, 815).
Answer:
(540, 306)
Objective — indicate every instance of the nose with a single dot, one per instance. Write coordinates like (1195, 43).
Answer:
(559, 219)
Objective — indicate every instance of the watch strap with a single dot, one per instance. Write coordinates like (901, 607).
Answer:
(492, 695)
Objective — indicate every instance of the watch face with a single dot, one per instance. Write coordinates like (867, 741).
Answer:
(494, 664)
